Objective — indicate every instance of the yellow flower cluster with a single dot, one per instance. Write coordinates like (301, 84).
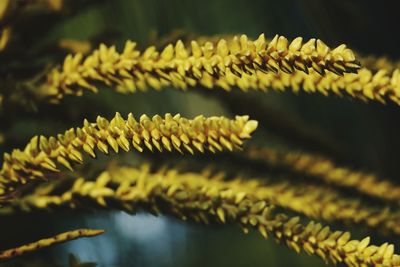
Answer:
(379, 80)
(184, 195)
(314, 201)
(237, 62)
(198, 198)
(324, 169)
(42, 156)
(321, 202)
(43, 243)
(369, 61)
(331, 246)
(365, 85)
(182, 67)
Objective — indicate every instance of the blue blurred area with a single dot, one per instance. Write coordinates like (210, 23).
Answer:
(143, 240)
(146, 240)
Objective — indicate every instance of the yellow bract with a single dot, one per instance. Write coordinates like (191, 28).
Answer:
(5, 35)
(4, 5)
(75, 46)
(55, 5)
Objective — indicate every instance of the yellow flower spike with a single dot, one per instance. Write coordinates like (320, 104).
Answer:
(191, 196)
(42, 156)
(181, 67)
(322, 168)
(377, 81)
(48, 242)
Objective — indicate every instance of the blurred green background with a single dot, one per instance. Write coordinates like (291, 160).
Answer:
(361, 135)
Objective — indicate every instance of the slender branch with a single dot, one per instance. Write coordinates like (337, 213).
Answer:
(44, 243)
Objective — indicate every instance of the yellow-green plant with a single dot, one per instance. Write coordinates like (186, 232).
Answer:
(55, 172)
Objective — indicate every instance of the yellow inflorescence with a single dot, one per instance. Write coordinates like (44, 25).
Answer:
(43, 243)
(331, 246)
(365, 85)
(182, 67)
(198, 198)
(324, 169)
(42, 156)
(369, 61)
(321, 202)
(379, 80)
(318, 202)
